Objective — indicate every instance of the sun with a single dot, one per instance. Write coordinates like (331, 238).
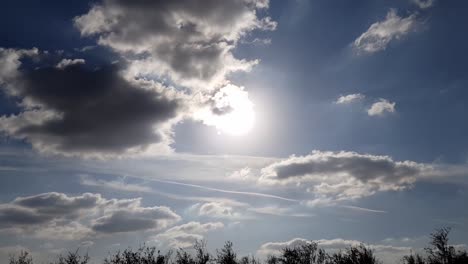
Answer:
(235, 114)
(238, 122)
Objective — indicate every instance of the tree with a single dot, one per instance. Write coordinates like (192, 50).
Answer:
(439, 251)
(413, 259)
(143, 255)
(226, 255)
(354, 255)
(304, 254)
(201, 255)
(73, 258)
(23, 258)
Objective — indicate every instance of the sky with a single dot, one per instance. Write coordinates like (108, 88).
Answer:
(266, 123)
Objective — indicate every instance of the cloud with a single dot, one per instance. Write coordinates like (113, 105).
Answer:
(135, 218)
(381, 107)
(114, 185)
(67, 62)
(124, 108)
(362, 209)
(59, 216)
(389, 254)
(350, 98)
(217, 210)
(424, 4)
(336, 176)
(278, 211)
(233, 210)
(10, 62)
(83, 112)
(381, 33)
(191, 42)
(187, 43)
(229, 110)
(184, 236)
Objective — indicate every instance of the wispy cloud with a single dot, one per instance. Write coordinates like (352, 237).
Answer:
(362, 209)
(350, 98)
(424, 4)
(381, 33)
(115, 185)
(381, 107)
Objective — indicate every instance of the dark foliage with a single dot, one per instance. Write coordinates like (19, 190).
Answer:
(73, 258)
(201, 255)
(438, 252)
(354, 255)
(143, 255)
(23, 258)
(304, 254)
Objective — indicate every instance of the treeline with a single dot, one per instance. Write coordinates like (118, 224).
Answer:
(438, 252)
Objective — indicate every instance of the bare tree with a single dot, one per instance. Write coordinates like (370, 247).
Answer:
(73, 258)
(143, 255)
(354, 255)
(23, 258)
(226, 255)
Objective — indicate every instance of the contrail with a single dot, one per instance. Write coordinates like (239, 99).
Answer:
(363, 209)
(228, 191)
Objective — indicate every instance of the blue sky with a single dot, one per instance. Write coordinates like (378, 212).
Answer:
(266, 123)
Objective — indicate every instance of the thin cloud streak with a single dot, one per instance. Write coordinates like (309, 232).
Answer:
(228, 191)
(362, 209)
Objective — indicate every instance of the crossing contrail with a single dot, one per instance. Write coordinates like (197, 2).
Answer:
(228, 191)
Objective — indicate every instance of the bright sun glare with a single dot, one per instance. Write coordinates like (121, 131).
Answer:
(239, 117)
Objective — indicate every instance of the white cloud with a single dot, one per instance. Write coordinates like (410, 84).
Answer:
(114, 185)
(424, 4)
(381, 33)
(218, 210)
(381, 107)
(350, 98)
(67, 62)
(184, 236)
(10, 62)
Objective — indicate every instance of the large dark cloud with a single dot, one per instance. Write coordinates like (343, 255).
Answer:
(60, 216)
(189, 41)
(58, 203)
(136, 219)
(75, 109)
(333, 176)
(46, 207)
(89, 111)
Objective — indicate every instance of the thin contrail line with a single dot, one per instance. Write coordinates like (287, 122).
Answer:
(228, 191)
(364, 209)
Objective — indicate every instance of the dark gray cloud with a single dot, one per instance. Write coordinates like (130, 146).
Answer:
(189, 41)
(60, 216)
(333, 176)
(134, 219)
(71, 109)
(84, 111)
(362, 167)
(11, 216)
(46, 207)
(58, 203)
